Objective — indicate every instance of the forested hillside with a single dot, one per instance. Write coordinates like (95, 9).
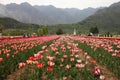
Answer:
(107, 19)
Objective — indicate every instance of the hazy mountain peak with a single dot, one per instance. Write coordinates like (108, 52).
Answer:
(115, 4)
(25, 3)
(12, 4)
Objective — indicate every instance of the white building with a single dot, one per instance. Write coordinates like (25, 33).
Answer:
(74, 33)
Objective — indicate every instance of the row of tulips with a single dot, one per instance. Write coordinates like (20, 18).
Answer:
(14, 51)
(60, 61)
(106, 52)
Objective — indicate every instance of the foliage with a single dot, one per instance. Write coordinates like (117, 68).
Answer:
(10, 23)
(30, 30)
(59, 31)
(94, 30)
(1, 28)
(14, 32)
(43, 30)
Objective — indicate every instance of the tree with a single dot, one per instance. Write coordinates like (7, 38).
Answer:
(40, 31)
(108, 34)
(94, 30)
(1, 28)
(59, 31)
(43, 31)
(79, 32)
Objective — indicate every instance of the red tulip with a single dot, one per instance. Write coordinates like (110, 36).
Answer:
(97, 71)
(49, 68)
(40, 65)
(93, 61)
(1, 59)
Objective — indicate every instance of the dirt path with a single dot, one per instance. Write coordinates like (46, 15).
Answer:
(14, 76)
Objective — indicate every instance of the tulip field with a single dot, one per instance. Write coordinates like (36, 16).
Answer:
(60, 58)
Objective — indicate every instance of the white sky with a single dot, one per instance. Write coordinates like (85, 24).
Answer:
(66, 3)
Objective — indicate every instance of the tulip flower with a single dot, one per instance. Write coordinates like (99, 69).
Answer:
(40, 65)
(49, 68)
(68, 66)
(93, 61)
(97, 71)
(7, 55)
(102, 77)
(72, 59)
(50, 63)
(79, 61)
(1, 59)
(21, 65)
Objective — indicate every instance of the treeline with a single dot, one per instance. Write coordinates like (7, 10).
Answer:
(10, 23)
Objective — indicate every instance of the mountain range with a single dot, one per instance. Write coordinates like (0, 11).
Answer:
(42, 15)
(106, 19)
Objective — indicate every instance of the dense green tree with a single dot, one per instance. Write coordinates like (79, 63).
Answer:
(43, 31)
(40, 31)
(1, 28)
(59, 31)
(94, 30)
(108, 34)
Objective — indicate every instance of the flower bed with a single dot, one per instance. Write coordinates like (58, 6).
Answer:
(14, 51)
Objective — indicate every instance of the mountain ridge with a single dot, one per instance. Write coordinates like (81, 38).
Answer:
(25, 12)
(107, 18)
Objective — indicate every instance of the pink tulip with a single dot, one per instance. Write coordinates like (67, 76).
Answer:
(64, 56)
(72, 59)
(79, 61)
(7, 55)
(21, 65)
(68, 66)
(50, 63)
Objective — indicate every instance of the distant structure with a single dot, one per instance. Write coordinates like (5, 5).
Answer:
(0, 35)
(74, 33)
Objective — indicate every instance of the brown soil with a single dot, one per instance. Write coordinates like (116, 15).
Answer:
(14, 76)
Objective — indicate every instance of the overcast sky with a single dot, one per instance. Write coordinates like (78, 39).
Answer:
(66, 3)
